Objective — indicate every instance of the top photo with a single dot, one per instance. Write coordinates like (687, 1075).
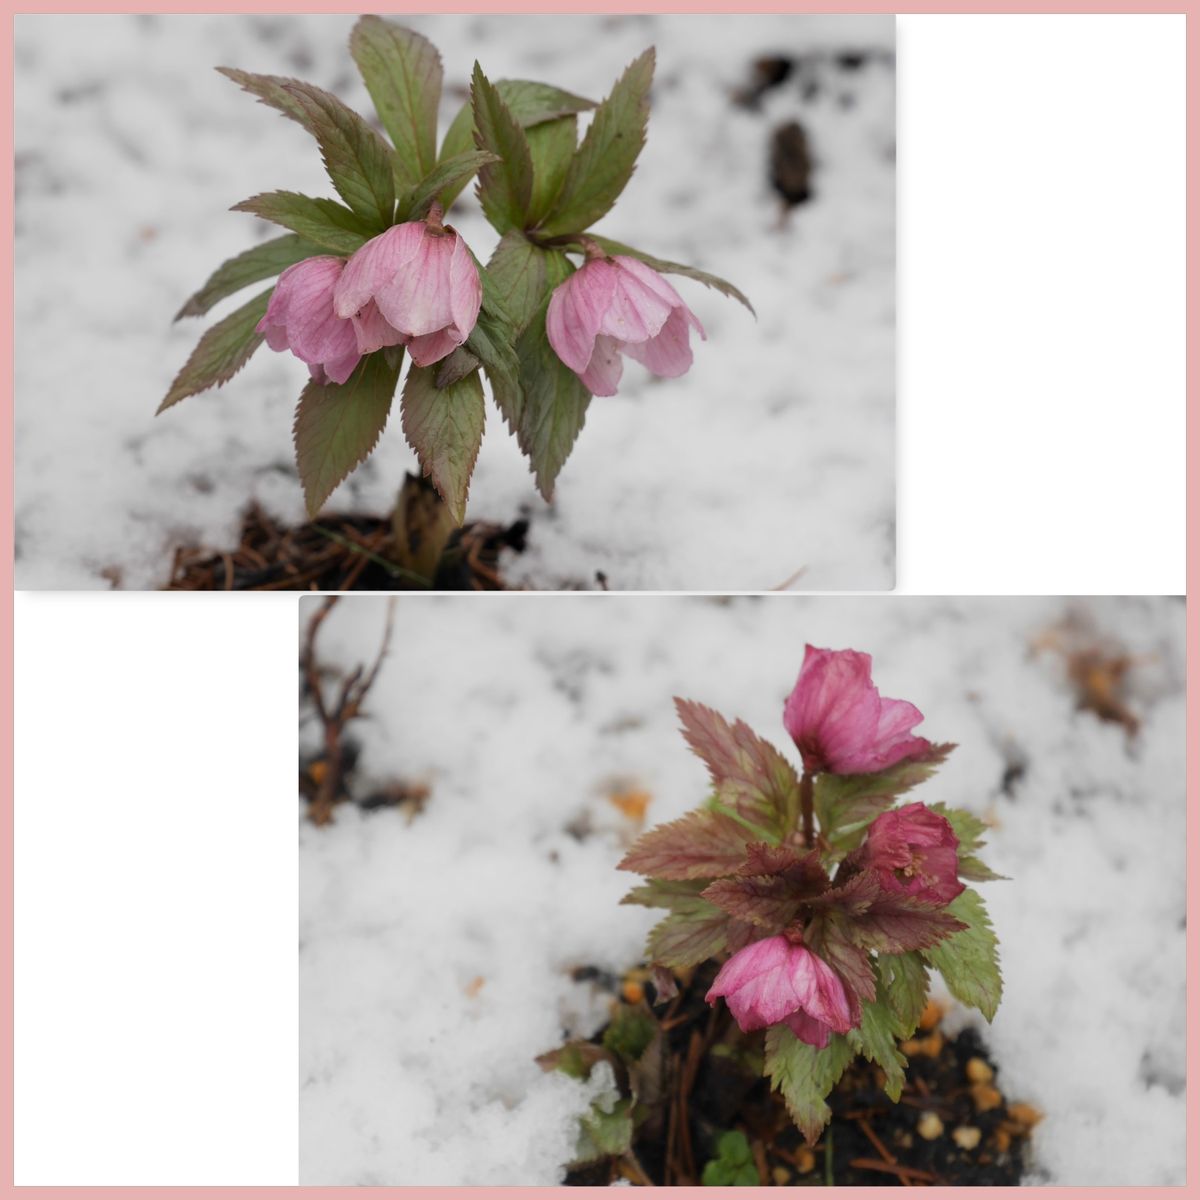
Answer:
(443, 303)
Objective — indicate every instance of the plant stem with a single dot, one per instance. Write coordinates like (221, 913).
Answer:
(806, 808)
(829, 1156)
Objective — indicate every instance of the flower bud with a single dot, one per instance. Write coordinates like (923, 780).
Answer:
(615, 306)
(300, 317)
(416, 285)
(840, 723)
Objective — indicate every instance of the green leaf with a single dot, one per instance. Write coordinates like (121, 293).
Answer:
(335, 228)
(875, 1038)
(532, 104)
(454, 172)
(630, 1032)
(221, 352)
(271, 90)
(403, 73)
(445, 427)
(805, 1076)
(665, 267)
(846, 804)
(551, 148)
(549, 411)
(968, 961)
(970, 831)
(259, 262)
(830, 936)
(491, 341)
(699, 845)
(605, 1132)
(604, 163)
(337, 426)
(526, 274)
(357, 159)
(750, 774)
(665, 893)
(576, 1059)
(904, 980)
(693, 932)
(505, 185)
(770, 886)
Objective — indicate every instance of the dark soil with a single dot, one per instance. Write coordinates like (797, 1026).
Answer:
(344, 552)
(713, 1083)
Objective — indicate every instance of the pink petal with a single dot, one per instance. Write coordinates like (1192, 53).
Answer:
(373, 330)
(636, 311)
(375, 264)
(650, 279)
(432, 347)
(809, 1029)
(340, 369)
(466, 291)
(417, 299)
(577, 308)
(669, 352)
(757, 984)
(604, 370)
(820, 992)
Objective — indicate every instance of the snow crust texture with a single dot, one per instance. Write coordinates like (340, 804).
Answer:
(437, 956)
(773, 456)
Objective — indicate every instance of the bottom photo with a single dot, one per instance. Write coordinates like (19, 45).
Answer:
(754, 891)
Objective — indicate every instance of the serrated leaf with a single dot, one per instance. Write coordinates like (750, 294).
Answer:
(403, 74)
(904, 980)
(692, 933)
(551, 148)
(548, 411)
(969, 960)
(604, 1132)
(751, 775)
(455, 366)
(604, 162)
(221, 352)
(890, 922)
(970, 831)
(272, 91)
(576, 1059)
(665, 893)
(699, 845)
(875, 1038)
(337, 426)
(263, 261)
(768, 901)
(829, 936)
(357, 160)
(329, 224)
(445, 427)
(532, 104)
(506, 184)
(805, 1076)
(526, 274)
(491, 341)
(666, 267)
(455, 172)
(846, 804)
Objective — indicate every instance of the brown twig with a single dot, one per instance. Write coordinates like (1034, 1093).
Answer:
(876, 1164)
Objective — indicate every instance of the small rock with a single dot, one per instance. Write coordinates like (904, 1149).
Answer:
(805, 1160)
(782, 1176)
(932, 1015)
(978, 1071)
(1025, 1115)
(986, 1097)
(966, 1136)
(930, 1126)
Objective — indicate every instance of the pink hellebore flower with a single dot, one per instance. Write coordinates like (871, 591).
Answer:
(414, 285)
(614, 306)
(914, 851)
(840, 723)
(774, 980)
(300, 317)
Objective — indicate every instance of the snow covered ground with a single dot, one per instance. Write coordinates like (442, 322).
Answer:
(775, 455)
(436, 955)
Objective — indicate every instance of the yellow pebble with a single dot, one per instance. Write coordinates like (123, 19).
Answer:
(986, 1097)
(966, 1136)
(930, 1126)
(805, 1160)
(781, 1175)
(978, 1071)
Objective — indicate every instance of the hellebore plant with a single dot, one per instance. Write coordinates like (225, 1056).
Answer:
(827, 904)
(378, 273)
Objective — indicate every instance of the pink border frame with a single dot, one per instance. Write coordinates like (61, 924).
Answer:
(1191, 8)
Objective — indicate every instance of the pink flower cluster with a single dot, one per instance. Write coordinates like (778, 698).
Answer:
(841, 724)
(415, 285)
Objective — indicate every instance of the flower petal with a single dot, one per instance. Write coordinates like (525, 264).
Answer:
(636, 311)
(373, 331)
(604, 370)
(375, 264)
(576, 311)
(417, 299)
(466, 291)
(669, 352)
(429, 348)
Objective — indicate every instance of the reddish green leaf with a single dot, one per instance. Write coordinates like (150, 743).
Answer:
(454, 172)
(805, 1076)
(830, 936)
(702, 844)
(330, 225)
(263, 261)
(506, 183)
(688, 936)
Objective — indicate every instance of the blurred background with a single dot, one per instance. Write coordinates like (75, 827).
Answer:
(478, 766)
(770, 161)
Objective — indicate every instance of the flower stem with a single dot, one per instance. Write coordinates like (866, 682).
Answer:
(806, 808)
(592, 249)
(433, 219)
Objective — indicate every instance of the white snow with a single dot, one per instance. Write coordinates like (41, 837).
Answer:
(773, 456)
(436, 955)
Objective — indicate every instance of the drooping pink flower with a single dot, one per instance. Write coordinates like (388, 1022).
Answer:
(614, 306)
(416, 285)
(775, 981)
(840, 723)
(914, 851)
(300, 317)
